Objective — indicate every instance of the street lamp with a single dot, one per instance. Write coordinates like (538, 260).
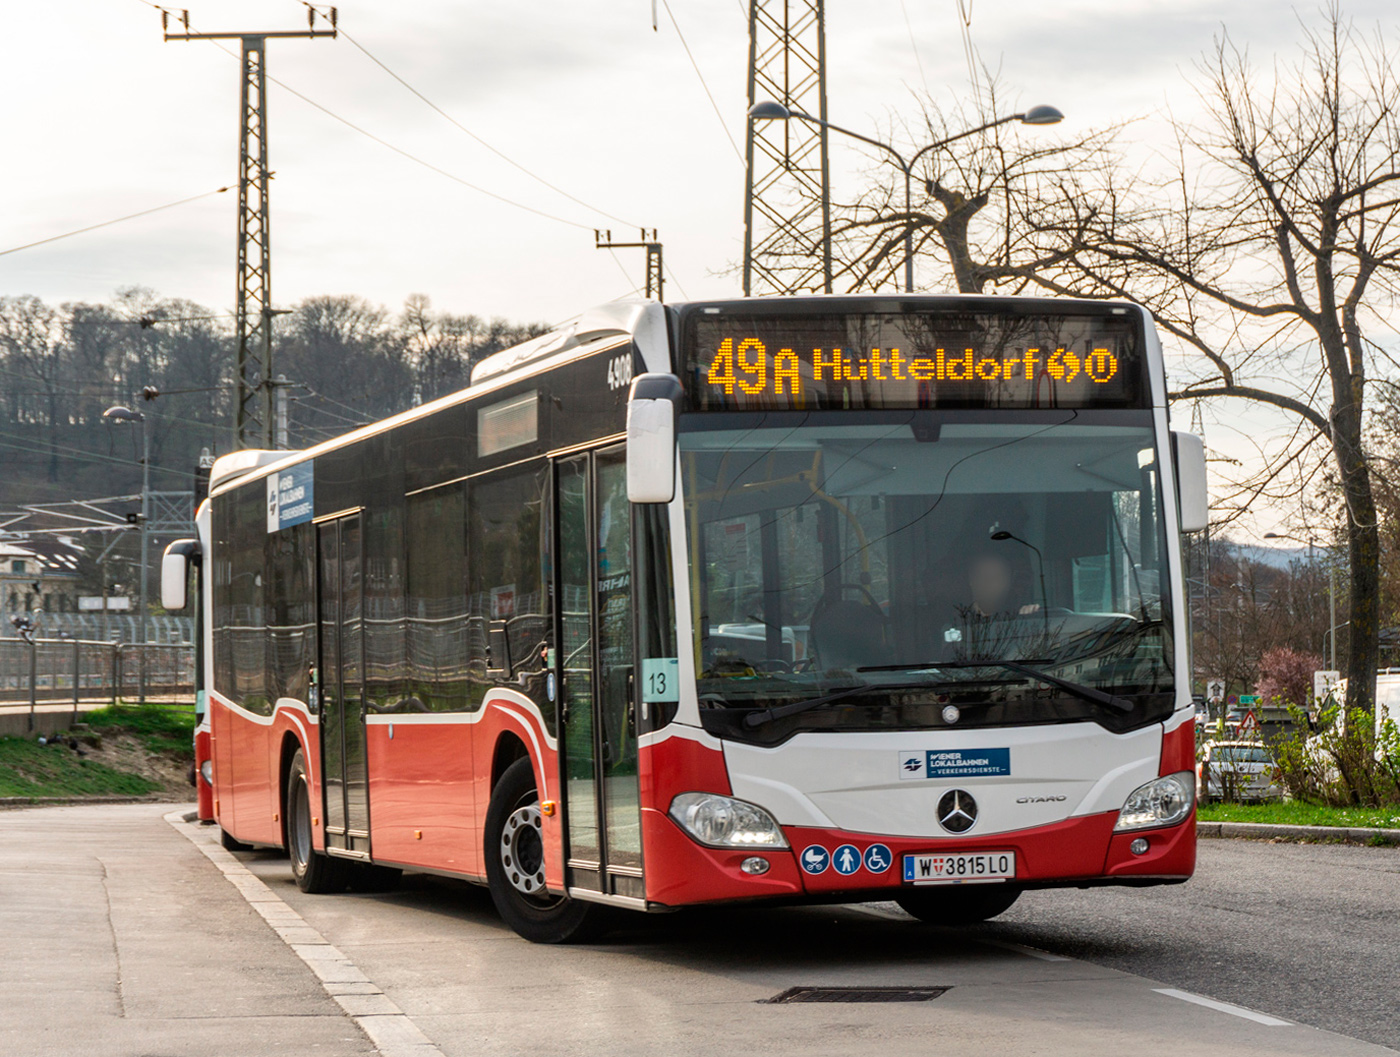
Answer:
(1331, 591)
(119, 413)
(768, 110)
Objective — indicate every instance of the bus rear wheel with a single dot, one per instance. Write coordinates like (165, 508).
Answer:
(515, 867)
(959, 905)
(313, 871)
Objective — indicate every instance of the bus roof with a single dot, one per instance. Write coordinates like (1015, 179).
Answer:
(585, 332)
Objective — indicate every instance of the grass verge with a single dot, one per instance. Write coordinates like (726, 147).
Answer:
(163, 731)
(1296, 813)
(30, 769)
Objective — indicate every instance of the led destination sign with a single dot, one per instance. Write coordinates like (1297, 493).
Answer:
(914, 361)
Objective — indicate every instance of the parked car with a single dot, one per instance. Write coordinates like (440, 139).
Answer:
(1237, 770)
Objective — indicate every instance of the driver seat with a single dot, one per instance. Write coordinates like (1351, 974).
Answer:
(849, 634)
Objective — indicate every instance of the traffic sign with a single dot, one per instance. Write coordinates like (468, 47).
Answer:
(1215, 690)
(1248, 700)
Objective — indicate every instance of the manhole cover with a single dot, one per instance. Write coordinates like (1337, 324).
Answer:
(856, 994)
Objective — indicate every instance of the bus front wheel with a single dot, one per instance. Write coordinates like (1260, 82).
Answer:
(960, 904)
(515, 867)
(313, 871)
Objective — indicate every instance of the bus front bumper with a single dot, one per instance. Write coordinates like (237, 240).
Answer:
(1076, 851)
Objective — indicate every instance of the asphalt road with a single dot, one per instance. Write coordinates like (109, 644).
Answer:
(1308, 932)
(126, 935)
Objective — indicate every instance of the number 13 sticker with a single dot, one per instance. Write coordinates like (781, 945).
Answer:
(659, 679)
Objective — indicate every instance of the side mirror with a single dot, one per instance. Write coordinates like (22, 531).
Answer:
(175, 572)
(1193, 502)
(651, 438)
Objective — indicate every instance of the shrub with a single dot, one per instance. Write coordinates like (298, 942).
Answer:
(1346, 763)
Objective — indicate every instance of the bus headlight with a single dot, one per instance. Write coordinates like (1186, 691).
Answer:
(206, 771)
(1163, 801)
(723, 822)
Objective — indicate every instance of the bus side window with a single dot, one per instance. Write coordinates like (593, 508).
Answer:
(507, 604)
(436, 602)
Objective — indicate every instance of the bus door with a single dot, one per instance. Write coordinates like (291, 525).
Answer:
(344, 774)
(595, 668)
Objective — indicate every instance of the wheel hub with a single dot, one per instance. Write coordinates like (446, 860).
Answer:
(522, 850)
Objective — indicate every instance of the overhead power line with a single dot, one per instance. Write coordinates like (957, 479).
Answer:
(703, 84)
(414, 158)
(117, 220)
(492, 148)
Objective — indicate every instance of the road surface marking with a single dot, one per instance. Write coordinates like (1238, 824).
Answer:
(1225, 1007)
(388, 1027)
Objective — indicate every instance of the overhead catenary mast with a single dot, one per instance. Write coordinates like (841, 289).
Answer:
(254, 417)
(603, 240)
(787, 194)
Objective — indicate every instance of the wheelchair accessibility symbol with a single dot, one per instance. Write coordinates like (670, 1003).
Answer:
(878, 858)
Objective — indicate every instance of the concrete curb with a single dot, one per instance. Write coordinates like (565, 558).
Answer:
(8, 803)
(392, 1032)
(1267, 831)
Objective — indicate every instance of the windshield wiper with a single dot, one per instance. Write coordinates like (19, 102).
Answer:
(1087, 693)
(767, 715)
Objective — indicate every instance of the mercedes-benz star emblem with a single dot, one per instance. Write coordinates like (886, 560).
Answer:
(957, 811)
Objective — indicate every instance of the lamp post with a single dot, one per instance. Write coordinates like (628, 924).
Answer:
(125, 414)
(768, 110)
(1331, 593)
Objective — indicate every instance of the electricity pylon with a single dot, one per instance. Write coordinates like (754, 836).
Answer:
(254, 419)
(787, 197)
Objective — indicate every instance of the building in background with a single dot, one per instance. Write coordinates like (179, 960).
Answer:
(39, 573)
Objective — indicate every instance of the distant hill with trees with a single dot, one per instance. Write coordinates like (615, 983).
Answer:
(61, 366)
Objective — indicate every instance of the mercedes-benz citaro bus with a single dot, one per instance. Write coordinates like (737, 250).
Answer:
(801, 599)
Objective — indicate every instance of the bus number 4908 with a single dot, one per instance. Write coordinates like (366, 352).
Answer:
(619, 372)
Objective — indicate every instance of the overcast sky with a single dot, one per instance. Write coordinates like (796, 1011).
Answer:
(104, 119)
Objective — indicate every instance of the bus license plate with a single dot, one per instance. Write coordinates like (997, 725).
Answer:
(959, 867)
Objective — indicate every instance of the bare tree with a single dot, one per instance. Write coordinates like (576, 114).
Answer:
(31, 351)
(989, 208)
(1273, 251)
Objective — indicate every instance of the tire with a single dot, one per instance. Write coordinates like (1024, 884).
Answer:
(230, 844)
(960, 904)
(371, 877)
(512, 847)
(313, 871)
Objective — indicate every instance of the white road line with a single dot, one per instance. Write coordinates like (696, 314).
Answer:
(389, 1028)
(1225, 1007)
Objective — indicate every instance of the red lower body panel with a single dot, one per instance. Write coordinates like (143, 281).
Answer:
(679, 871)
(204, 791)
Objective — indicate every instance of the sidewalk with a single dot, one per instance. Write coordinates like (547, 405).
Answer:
(118, 939)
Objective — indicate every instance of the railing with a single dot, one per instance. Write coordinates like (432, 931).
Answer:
(76, 672)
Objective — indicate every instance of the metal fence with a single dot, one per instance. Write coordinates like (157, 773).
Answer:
(75, 672)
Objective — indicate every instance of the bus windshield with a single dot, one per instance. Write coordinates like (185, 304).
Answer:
(891, 559)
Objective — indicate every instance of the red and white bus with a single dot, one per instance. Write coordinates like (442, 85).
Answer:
(795, 599)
